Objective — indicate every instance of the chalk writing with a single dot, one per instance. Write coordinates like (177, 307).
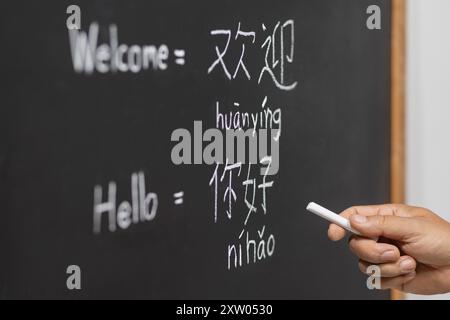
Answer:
(278, 47)
(113, 57)
(275, 67)
(240, 65)
(142, 208)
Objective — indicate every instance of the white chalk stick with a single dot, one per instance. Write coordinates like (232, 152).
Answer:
(331, 217)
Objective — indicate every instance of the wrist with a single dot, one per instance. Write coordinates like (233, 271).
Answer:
(446, 281)
(448, 246)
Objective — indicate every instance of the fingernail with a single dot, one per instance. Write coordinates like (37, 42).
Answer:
(388, 255)
(358, 219)
(406, 265)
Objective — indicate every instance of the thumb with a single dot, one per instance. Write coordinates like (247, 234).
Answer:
(391, 227)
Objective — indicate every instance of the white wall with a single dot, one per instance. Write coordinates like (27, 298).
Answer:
(428, 106)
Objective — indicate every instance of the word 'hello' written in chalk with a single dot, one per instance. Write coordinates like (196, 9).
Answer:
(143, 206)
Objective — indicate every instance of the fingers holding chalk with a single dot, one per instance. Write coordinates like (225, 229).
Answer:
(331, 217)
(353, 219)
(336, 233)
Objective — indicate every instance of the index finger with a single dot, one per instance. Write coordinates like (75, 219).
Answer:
(336, 233)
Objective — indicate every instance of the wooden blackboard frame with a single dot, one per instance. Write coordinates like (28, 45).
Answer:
(398, 109)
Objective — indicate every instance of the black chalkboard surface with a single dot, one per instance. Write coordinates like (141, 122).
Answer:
(87, 173)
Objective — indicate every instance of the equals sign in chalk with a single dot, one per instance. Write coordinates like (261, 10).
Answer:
(179, 56)
(178, 197)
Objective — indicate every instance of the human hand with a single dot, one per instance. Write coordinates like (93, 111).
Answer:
(413, 250)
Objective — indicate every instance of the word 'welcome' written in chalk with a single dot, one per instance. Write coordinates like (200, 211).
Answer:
(88, 55)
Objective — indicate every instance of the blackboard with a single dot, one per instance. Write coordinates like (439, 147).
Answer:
(70, 129)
